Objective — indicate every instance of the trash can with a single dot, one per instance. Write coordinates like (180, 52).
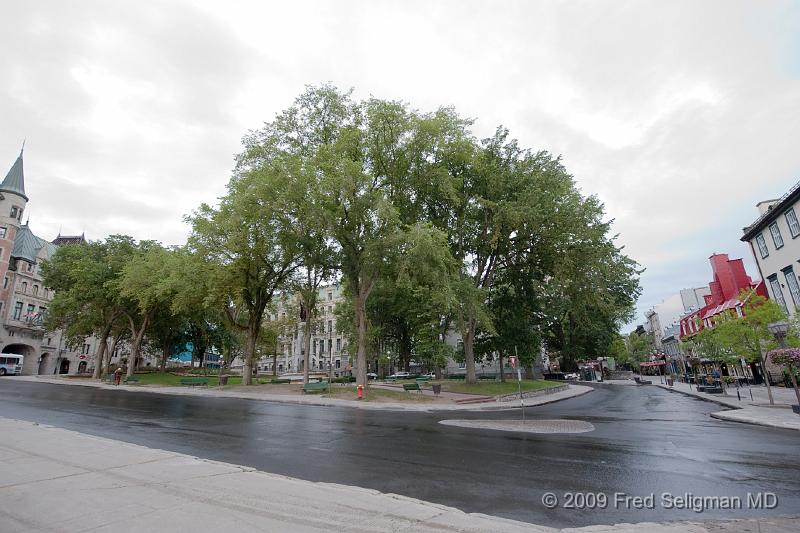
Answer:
(223, 380)
(669, 382)
(437, 388)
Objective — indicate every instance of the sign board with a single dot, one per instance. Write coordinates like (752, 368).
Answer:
(512, 361)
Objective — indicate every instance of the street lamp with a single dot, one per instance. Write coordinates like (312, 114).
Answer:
(779, 330)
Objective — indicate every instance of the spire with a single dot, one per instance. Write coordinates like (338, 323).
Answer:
(15, 179)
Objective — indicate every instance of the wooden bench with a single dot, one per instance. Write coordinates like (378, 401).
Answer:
(132, 379)
(318, 386)
(411, 386)
(194, 382)
(391, 379)
(423, 379)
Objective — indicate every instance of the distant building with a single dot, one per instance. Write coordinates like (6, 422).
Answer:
(729, 279)
(666, 315)
(23, 297)
(773, 239)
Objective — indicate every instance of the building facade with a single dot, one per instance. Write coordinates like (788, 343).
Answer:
(23, 297)
(773, 240)
(730, 279)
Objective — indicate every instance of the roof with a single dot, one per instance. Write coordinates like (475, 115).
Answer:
(15, 179)
(61, 240)
(27, 245)
(780, 205)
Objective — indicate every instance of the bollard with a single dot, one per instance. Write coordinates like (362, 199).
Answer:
(739, 395)
(360, 392)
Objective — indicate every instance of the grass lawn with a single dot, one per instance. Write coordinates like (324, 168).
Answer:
(374, 394)
(167, 378)
(496, 388)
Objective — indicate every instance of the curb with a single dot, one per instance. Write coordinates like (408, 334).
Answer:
(332, 402)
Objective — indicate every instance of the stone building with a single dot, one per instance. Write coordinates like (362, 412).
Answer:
(23, 296)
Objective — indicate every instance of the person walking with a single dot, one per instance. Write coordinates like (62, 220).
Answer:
(117, 376)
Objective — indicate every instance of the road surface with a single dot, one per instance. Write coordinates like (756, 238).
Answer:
(646, 441)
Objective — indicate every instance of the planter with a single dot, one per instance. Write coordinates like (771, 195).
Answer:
(437, 388)
(223, 380)
(796, 409)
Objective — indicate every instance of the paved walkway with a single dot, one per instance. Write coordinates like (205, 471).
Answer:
(756, 411)
(255, 393)
(59, 480)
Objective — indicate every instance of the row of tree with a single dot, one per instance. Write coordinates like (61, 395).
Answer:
(429, 229)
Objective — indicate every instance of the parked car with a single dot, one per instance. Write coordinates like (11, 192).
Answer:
(400, 375)
(430, 375)
(372, 375)
(571, 376)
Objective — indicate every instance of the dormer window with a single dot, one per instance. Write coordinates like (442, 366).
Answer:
(14, 211)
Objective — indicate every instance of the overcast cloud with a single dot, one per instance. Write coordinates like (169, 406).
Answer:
(680, 116)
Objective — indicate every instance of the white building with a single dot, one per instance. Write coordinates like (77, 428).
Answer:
(662, 318)
(773, 239)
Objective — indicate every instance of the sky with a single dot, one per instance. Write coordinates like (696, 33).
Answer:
(680, 116)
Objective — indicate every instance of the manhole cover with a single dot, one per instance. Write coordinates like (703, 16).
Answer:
(529, 426)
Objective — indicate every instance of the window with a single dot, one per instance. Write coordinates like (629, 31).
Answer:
(35, 290)
(794, 288)
(330, 326)
(330, 345)
(19, 215)
(313, 348)
(321, 347)
(5, 282)
(762, 245)
(791, 221)
(338, 363)
(48, 340)
(3, 232)
(777, 293)
(17, 310)
(31, 309)
(338, 345)
(30, 267)
(24, 286)
(462, 365)
(14, 211)
(2, 360)
(330, 296)
(85, 349)
(776, 235)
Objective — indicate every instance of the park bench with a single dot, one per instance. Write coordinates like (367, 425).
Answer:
(132, 379)
(411, 386)
(318, 386)
(194, 382)
(711, 389)
(280, 381)
(423, 379)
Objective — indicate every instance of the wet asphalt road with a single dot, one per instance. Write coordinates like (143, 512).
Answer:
(647, 441)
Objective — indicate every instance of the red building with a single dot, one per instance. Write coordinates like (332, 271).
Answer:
(730, 278)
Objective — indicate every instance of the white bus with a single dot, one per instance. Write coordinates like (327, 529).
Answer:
(11, 363)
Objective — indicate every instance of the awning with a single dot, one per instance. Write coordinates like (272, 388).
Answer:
(653, 363)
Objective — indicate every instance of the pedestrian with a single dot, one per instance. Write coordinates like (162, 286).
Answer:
(117, 376)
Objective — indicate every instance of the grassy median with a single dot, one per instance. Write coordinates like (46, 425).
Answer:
(496, 388)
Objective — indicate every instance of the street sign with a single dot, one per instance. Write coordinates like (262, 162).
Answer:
(513, 361)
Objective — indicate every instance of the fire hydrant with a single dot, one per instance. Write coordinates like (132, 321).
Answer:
(360, 392)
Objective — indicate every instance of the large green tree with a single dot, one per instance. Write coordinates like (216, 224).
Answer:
(86, 302)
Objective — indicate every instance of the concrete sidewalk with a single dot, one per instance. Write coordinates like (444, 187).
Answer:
(58, 480)
(755, 411)
(312, 399)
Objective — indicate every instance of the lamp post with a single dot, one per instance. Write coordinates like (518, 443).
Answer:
(779, 330)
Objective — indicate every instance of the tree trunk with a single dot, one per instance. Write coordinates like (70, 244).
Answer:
(275, 364)
(361, 335)
(101, 352)
(306, 344)
(502, 373)
(136, 343)
(249, 352)
(469, 351)
(110, 352)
